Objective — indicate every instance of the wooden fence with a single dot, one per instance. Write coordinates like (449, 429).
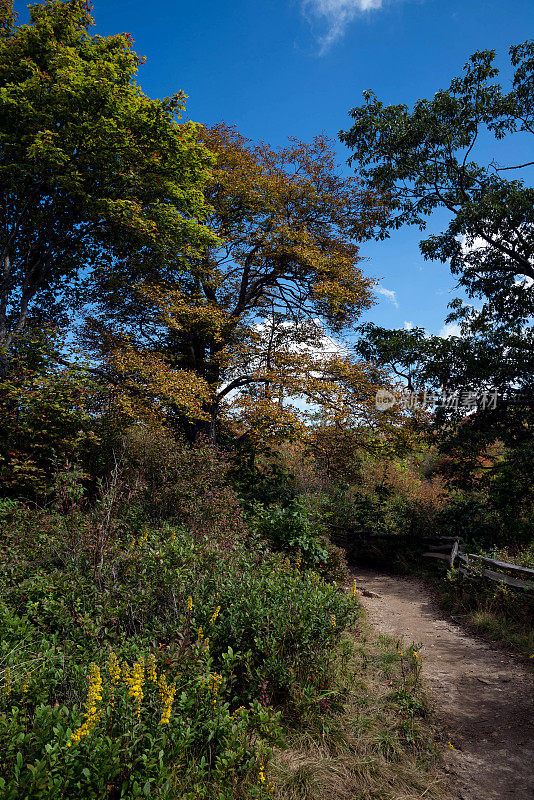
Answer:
(449, 548)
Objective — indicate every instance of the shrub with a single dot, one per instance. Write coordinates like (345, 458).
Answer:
(291, 530)
(260, 476)
(175, 481)
(146, 729)
(285, 621)
(231, 630)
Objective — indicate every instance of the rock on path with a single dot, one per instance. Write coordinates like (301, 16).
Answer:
(483, 698)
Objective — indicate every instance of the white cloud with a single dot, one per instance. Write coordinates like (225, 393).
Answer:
(408, 325)
(476, 245)
(335, 15)
(318, 342)
(453, 329)
(525, 282)
(389, 293)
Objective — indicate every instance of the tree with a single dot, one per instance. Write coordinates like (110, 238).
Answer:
(400, 350)
(252, 317)
(453, 365)
(90, 167)
(422, 159)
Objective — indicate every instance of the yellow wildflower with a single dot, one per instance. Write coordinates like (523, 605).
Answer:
(450, 745)
(189, 603)
(333, 620)
(92, 712)
(144, 536)
(166, 694)
(135, 682)
(151, 668)
(215, 614)
(214, 684)
(114, 669)
(7, 681)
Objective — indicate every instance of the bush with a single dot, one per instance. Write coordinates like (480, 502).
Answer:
(286, 623)
(231, 630)
(293, 531)
(260, 476)
(174, 481)
(141, 733)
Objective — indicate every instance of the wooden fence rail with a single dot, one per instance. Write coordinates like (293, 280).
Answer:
(449, 549)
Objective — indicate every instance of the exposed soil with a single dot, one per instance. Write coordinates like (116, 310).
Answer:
(483, 697)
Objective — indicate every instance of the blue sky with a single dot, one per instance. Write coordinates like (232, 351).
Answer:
(278, 68)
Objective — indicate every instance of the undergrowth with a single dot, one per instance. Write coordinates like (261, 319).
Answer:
(497, 611)
(373, 738)
(156, 663)
(153, 645)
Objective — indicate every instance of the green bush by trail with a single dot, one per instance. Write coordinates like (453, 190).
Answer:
(152, 665)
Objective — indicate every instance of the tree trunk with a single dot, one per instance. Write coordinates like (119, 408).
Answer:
(4, 366)
(212, 429)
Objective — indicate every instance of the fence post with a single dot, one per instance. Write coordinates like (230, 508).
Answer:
(454, 552)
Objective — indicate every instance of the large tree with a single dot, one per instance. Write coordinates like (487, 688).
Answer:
(252, 316)
(90, 167)
(425, 159)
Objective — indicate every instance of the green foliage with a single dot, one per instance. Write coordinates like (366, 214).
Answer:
(291, 529)
(234, 630)
(45, 420)
(400, 350)
(142, 733)
(91, 169)
(482, 523)
(260, 477)
(285, 621)
(426, 159)
(423, 158)
(522, 556)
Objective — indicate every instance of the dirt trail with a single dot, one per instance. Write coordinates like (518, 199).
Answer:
(483, 698)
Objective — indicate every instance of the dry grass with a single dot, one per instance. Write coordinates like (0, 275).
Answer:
(519, 636)
(374, 742)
